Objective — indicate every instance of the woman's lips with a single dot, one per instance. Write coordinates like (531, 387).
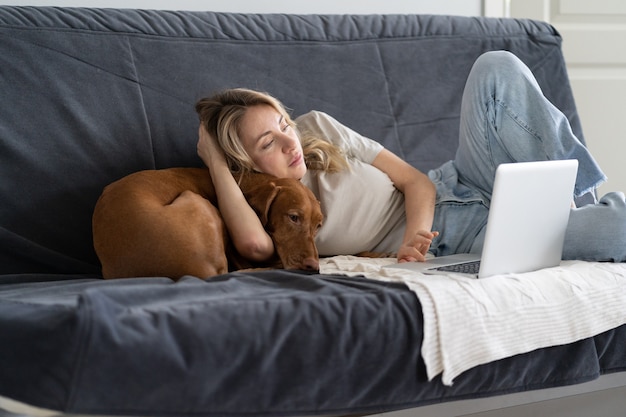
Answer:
(295, 161)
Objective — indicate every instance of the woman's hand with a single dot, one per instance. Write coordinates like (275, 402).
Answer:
(415, 249)
(419, 204)
(208, 149)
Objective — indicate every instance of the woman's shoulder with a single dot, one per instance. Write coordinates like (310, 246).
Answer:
(326, 127)
(315, 121)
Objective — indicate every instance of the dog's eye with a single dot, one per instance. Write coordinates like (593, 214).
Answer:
(294, 218)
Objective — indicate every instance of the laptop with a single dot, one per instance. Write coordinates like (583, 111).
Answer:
(526, 226)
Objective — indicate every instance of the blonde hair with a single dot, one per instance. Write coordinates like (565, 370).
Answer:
(221, 115)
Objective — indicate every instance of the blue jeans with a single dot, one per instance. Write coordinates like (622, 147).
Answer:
(506, 118)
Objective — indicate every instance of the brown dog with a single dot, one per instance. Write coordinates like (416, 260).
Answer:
(165, 223)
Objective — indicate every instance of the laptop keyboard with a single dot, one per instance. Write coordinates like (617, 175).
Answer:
(464, 268)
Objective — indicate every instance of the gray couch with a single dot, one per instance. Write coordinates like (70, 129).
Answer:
(89, 96)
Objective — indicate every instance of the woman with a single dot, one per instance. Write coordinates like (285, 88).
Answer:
(374, 201)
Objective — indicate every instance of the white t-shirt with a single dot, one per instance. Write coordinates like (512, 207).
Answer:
(363, 211)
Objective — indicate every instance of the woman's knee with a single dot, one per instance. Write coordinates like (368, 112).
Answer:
(502, 77)
(497, 58)
(501, 63)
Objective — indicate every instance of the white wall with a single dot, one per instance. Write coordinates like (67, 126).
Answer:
(458, 7)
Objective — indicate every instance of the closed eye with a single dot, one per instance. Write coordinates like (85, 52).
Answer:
(267, 144)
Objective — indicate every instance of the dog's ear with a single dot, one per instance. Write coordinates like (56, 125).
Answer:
(261, 198)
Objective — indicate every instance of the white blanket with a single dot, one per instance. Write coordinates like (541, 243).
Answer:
(469, 322)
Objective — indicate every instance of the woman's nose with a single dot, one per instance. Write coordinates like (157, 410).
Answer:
(289, 143)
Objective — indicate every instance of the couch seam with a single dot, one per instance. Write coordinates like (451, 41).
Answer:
(85, 324)
(131, 54)
(381, 63)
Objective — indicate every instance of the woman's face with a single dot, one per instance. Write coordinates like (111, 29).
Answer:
(272, 144)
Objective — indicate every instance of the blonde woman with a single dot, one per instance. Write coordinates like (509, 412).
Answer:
(253, 131)
(373, 200)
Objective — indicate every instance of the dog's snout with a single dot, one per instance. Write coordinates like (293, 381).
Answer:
(311, 264)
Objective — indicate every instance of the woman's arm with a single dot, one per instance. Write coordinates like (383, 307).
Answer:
(419, 201)
(248, 235)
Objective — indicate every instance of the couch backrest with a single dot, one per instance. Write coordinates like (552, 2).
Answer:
(90, 95)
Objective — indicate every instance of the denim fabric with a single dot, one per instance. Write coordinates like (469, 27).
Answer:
(460, 214)
(506, 118)
(597, 232)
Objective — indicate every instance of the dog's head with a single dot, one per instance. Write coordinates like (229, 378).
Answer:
(291, 215)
